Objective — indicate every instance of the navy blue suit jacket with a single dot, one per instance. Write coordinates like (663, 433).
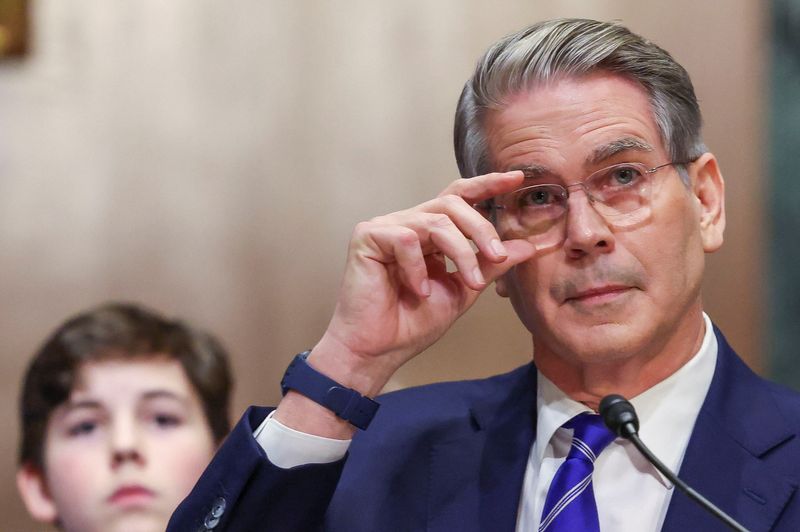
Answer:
(451, 457)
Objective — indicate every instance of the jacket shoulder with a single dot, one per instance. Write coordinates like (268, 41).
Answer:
(431, 404)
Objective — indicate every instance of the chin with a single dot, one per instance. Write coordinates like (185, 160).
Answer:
(138, 522)
(597, 343)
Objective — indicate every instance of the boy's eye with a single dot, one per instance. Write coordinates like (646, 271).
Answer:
(82, 428)
(166, 420)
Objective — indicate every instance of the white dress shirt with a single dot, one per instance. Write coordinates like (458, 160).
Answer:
(287, 447)
(631, 494)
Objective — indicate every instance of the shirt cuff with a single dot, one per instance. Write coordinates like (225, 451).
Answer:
(286, 447)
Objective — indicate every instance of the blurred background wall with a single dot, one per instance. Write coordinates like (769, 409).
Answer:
(210, 158)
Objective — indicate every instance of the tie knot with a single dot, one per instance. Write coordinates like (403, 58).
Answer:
(590, 436)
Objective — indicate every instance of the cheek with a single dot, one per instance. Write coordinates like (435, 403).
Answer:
(76, 477)
(179, 461)
(675, 254)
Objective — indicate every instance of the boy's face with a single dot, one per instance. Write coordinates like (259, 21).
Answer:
(123, 451)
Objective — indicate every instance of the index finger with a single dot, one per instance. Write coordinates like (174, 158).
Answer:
(482, 187)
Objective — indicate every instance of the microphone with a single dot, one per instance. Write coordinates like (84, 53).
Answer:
(620, 417)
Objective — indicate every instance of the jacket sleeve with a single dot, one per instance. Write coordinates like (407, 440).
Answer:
(241, 490)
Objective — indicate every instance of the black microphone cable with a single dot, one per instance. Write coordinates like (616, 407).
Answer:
(620, 417)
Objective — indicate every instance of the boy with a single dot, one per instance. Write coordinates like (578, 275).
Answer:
(121, 410)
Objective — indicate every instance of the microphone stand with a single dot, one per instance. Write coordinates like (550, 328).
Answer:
(684, 487)
(620, 417)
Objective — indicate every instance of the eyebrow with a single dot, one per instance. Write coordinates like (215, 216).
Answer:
(615, 147)
(91, 404)
(158, 394)
(532, 171)
(94, 404)
(599, 154)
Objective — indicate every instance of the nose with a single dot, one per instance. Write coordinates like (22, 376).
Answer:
(125, 444)
(587, 232)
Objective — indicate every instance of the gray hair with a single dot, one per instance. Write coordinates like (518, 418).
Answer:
(575, 47)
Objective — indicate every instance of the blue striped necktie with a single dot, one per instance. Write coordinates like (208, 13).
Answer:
(570, 504)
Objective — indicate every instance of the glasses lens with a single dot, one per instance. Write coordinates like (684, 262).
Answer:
(620, 192)
(532, 212)
(486, 208)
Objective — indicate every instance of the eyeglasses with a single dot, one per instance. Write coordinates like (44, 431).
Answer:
(620, 193)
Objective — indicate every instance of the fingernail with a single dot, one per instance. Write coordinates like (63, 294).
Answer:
(478, 276)
(498, 248)
(425, 286)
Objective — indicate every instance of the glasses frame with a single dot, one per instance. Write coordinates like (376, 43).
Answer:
(493, 206)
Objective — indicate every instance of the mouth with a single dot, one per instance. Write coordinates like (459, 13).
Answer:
(130, 496)
(598, 295)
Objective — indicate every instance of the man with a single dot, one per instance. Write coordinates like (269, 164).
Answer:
(594, 205)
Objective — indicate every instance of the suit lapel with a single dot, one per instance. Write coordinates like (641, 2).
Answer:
(737, 425)
(476, 480)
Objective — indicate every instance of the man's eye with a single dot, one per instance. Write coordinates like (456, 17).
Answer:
(535, 197)
(81, 429)
(624, 176)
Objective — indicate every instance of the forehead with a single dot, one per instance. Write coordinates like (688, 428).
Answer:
(117, 380)
(566, 120)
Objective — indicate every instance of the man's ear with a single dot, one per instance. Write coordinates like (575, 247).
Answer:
(709, 189)
(32, 488)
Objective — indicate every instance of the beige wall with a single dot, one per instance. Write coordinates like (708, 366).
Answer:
(210, 158)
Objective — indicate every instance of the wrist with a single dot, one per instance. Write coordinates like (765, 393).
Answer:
(345, 402)
(364, 373)
(300, 413)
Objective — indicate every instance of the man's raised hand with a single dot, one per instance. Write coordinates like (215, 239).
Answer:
(397, 297)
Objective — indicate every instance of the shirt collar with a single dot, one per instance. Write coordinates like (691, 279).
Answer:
(667, 411)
